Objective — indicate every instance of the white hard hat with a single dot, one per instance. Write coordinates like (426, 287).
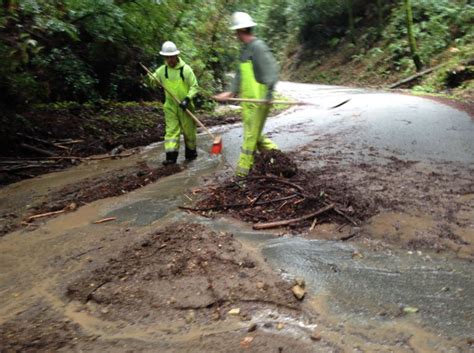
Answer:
(169, 49)
(242, 20)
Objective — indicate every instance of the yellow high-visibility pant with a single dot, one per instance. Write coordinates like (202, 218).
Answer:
(254, 117)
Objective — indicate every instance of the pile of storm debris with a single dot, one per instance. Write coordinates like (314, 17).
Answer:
(278, 194)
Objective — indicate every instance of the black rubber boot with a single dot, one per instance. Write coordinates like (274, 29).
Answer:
(171, 158)
(190, 154)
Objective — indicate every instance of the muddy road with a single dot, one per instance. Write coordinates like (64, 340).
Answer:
(155, 277)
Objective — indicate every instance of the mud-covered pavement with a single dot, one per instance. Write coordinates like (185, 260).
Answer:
(158, 278)
(181, 288)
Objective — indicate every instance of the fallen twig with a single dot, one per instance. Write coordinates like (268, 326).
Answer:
(350, 236)
(103, 220)
(69, 142)
(257, 197)
(293, 220)
(71, 207)
(278, 180)
(107, 157)
(23, 161)
(345, 216)
(89, 296)
(97, 158)
(68, 157)
(38, 150)
(313, 224)
(339, 229)
(414, 77)
(14, 168)
(283, 204)
(155, 251)
(45, 142)
(276, 200)
(47, 214)
(77, 256)
(218, 207)
(58, 145)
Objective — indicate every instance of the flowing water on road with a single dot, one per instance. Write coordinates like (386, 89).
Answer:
(366, 299)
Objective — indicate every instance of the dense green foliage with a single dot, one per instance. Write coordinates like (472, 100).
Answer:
(87, 50)
(317, 43)
(325, 23)
(91, 49)
(437, 25)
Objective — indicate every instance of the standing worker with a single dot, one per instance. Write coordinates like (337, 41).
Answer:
(255, 78)
(179, 80)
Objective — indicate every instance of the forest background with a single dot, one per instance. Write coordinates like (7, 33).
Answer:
(89, 50)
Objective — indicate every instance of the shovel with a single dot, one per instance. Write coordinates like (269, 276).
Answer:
(264, 101)
(216, 140)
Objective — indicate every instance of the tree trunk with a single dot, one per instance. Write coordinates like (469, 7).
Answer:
(380, 16)
(411, 37)
(351, 21)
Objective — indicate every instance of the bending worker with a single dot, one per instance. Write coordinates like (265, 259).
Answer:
(179, 80)
(255, 78)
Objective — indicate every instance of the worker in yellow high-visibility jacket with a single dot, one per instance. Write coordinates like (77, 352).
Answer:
(178, 78)
(256, 77)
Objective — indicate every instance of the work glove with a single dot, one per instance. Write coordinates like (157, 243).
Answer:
(185, 103)
(269, 95)
(162, 95)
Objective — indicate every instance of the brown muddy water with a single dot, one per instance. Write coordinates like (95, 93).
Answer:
(160, 279)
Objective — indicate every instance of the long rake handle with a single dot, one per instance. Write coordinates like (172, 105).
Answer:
(264, 101)
(177, 101)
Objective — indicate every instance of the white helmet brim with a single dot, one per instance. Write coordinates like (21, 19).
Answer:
(173, 53)
(242, 26)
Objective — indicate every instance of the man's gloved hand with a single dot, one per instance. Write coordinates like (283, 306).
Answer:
(185, 103)
(269, 95)
(162, 95)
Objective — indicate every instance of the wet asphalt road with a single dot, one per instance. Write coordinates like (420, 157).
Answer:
(414, 128)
